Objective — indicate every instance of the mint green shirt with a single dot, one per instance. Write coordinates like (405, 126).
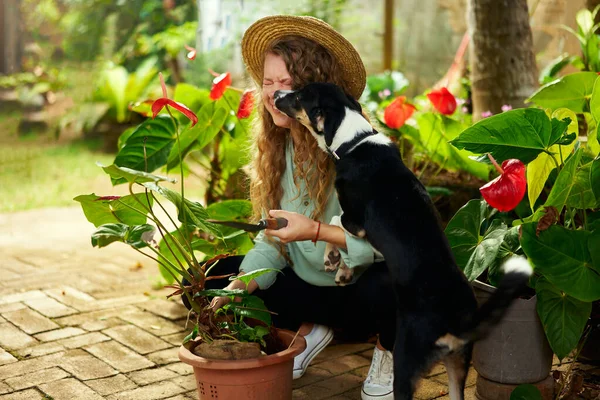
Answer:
(306, 257)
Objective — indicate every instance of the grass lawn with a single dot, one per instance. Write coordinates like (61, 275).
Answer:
(38, 170)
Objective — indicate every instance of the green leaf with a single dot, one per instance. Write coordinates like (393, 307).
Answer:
(203, 132)
(486, 250)
(118, 174)
(522, 133)
(526, 392)
(189, 212)
(595, 110)
(562, 316)
(100, 212)
(230, 210)
(232, 293)
(463, 231)
(193, 97)
(539, 169)
(595, 179)
(148, 147)
(170, 252)
(252, 307)
(563, 257)
(581, 195)
(571, 91)
(561, 190)
(135, 236)
(192, 335)
(435, 132)
(246, 278)
(549, 73)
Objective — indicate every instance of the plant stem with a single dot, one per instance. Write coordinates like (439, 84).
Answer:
(553, 160)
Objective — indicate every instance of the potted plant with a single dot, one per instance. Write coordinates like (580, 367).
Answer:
(187, 250)
(556, 226)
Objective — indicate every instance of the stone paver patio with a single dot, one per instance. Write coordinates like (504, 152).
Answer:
(81, 323)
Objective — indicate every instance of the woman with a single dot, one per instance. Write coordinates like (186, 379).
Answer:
(292, 178)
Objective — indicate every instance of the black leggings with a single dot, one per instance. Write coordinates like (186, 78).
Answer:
(366, 307)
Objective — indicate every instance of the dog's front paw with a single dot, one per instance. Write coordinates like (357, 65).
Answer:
(332, 257)
(343, 275)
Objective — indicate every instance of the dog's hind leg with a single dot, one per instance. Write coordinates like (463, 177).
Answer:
(412, 357)
(457, 367)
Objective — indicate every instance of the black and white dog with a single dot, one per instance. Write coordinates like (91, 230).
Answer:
(384, 202)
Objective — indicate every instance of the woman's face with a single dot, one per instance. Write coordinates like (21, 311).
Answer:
(275, 77)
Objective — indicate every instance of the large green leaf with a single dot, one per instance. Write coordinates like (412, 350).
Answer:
(125, 209)
(147, 149)
(571, 91)
(472, 251)
(124, 174)
(435, 133)
(523, 134)
(209, 123)
(563, 186)
(230, 210)
(136, 236)
(486, 250)
(595, 179)
(581, 195)
(562, 316)
(595, 110)
(251, 307)
(189, 212)
(563, 257)
(539, 169)
(193, 97)
(463, 231)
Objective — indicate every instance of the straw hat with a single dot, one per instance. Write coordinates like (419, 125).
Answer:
(260, 35)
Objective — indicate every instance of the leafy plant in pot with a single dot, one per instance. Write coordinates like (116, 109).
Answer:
(132, 220)
(556, 226)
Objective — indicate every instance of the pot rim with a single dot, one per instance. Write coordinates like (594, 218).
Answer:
(491, 289)
(298, 347)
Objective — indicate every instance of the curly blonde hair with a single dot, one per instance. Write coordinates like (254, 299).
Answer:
(306, 62)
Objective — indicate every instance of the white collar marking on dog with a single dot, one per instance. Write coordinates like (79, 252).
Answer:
(354, 123)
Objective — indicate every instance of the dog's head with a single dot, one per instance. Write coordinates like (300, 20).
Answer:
(320, 107)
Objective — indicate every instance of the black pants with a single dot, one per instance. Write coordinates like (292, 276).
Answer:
(365, 307)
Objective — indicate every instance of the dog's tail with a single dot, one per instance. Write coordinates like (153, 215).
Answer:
(517, 271)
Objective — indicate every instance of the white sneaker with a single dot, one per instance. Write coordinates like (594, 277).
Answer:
(316, 340)
(380, 380)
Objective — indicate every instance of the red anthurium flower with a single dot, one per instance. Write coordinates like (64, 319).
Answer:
(192, 52)
(246, 104)
(220, 84)
(506, 191)
(443, 101)
(397, 112)
(165, 101)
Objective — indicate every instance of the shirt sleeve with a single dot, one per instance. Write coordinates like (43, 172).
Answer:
(264, 254)
(358, 251)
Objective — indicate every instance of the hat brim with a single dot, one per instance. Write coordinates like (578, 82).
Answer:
(259, 37)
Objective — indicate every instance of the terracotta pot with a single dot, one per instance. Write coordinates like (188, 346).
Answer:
(517, 350)
(266, 378)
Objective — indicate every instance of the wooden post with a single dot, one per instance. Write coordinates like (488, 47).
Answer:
(388, 35)
(10, 37)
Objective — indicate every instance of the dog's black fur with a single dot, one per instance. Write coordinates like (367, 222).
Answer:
(382, 200)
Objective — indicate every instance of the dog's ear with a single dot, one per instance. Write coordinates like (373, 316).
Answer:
(354, 105)
(332, 123)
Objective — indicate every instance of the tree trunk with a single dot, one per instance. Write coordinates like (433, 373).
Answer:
(503, 66)
(388, 35)
(10, 37)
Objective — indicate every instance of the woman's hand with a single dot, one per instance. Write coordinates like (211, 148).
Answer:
(218, 302)
(299, 227)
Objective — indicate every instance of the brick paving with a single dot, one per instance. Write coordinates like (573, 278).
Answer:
(82, 323)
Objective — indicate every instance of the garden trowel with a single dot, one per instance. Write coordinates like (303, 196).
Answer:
(267, 223)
